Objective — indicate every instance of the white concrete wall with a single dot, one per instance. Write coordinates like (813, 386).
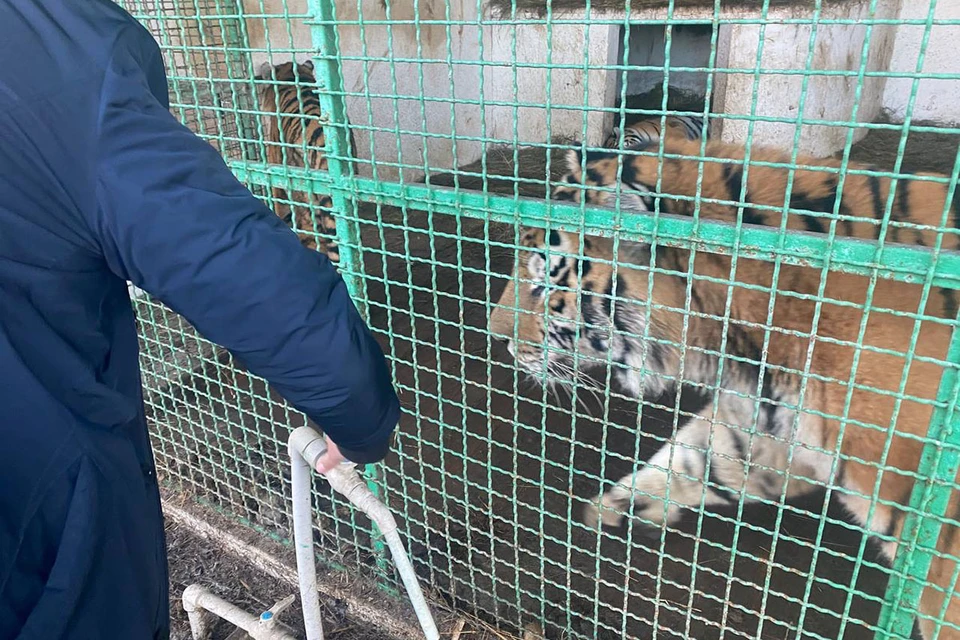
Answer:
(390, 107)
(894, 49)
(836, 47)
(937, 100)
(406, 88)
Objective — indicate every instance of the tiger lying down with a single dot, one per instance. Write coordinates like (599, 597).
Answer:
(768, 435)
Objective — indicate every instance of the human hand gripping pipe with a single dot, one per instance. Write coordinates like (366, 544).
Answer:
(306, 446)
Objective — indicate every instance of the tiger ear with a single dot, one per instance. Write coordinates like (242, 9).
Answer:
(308, 64)
(613, 139)
(265, 72)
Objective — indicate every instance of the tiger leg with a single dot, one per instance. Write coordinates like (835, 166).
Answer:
(887, 520)
(305, 227)
(328, 230)
(674, 477)
(281, 205)
(734, 458)
(294, 215)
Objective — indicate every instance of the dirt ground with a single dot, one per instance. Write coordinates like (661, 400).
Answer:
(490, 509)
(195, 559)
(209, 548)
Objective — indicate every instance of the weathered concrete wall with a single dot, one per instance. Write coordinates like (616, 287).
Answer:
(773, 92)
(407, 88)
(937, 100)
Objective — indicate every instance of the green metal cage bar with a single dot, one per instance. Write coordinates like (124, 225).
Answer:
(876, 260)
(929, 500)
(904, 263)
(330, 83)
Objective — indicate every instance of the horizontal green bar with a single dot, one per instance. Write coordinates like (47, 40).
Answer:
(564, 66)
(899, 262)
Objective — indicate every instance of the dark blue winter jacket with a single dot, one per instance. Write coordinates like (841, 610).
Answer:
(99, 184)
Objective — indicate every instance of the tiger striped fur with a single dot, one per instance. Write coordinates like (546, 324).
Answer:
(292, 123)
(643, 133)
(765, 439)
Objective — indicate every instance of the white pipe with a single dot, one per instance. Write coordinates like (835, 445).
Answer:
(303, 537)
(345, 480)
(196, 599)
(384, 621)
(198, 625)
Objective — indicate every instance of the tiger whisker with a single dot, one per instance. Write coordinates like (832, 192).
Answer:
(563, 374)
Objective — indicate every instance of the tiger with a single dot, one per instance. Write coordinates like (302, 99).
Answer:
(292, 119)
(771, 424)
(646, 132)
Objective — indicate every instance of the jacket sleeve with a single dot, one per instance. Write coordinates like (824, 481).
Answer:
(174, 220)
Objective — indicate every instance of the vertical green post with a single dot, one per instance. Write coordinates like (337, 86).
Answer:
(334, 109)
(928, 503)
(333, 106)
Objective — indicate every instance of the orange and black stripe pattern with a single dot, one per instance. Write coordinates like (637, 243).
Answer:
(295, 136)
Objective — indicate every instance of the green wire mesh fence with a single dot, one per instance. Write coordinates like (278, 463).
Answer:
(792, 382)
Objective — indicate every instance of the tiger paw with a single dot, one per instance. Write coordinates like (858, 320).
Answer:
(604, 509)
(646, 507)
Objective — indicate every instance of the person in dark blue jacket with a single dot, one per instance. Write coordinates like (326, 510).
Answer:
(99, 185)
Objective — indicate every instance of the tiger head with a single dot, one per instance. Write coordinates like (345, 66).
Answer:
(275, 79)
(568, 308)
(646, 132)
(287, 72)
(609, 179)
